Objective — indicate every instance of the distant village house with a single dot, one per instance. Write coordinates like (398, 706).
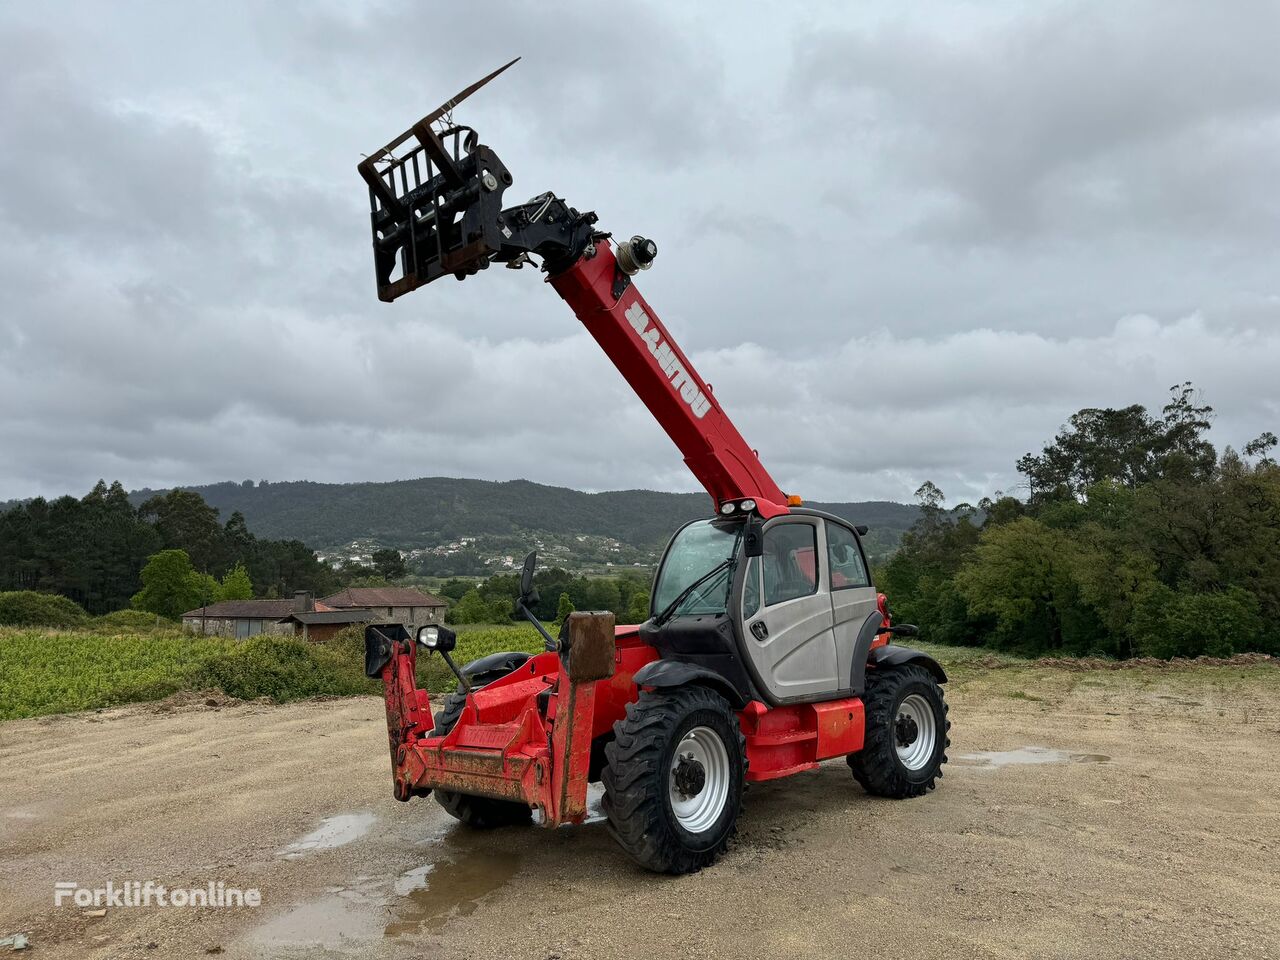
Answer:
(316, 620)
(405, 605)
(248, 618)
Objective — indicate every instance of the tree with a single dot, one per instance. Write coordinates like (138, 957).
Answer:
(171, 586)
(472, 608)
(564, 607)
(389, 564)
(1095, 445)
(1019, 575)
(455, 589)
(236, 584)
(638, 611)
(1169, 623)
(1125, 446)
(1261, 446)
(185, 522)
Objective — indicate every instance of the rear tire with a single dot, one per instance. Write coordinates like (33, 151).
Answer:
(674, 779)
(906, 737)
(479, 813)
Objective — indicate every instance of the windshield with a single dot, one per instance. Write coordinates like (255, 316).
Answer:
(697, 549)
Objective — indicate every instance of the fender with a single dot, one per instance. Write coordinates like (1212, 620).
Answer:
(861, 652)
(487, 669)
(664, 674)
(891, 655)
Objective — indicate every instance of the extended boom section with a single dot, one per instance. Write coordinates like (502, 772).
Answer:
(630, 333)
(436, 209)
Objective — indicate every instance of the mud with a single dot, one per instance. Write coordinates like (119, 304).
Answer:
(1124, 813)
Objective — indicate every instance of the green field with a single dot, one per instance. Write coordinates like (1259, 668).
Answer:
(110, 662)
(59, 671)
(86, 668)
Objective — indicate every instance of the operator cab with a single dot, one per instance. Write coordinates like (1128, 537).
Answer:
(784, 610)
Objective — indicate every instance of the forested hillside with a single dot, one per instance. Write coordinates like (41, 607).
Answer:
(93, 549)
(411, 513)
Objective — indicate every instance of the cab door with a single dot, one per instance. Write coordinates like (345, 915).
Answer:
(787, 613)
(853, 598)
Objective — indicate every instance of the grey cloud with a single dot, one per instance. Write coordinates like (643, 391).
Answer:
(899, 251)
(1131, 116)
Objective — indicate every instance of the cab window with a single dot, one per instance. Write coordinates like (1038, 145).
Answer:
(751, 589)
(790, 562)
(845, 558)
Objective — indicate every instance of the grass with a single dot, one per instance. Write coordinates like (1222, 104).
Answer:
(112, 661)
(121, 659)
(59, 671)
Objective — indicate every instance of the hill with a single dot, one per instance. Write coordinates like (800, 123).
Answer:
(423, 513)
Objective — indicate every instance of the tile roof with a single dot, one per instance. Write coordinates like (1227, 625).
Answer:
(249, 610)
(383, 597)
(329, 616)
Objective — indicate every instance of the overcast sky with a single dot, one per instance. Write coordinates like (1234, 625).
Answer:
(901, 245)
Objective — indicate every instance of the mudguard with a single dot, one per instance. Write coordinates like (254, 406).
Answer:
(487, 669)
(664, 674)
(891, 655)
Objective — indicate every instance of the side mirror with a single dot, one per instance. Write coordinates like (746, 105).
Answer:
(861, 529)
(435, 637)
(527, 593)
(753, 539)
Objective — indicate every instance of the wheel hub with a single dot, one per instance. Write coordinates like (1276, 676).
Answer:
(699, 779)
(915, 732)
(906, 730)
(689, 776)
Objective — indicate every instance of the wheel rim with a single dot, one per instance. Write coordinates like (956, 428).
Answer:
(915, 732)
(699, 779)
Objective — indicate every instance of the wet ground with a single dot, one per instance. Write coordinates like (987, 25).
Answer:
(1082, 815)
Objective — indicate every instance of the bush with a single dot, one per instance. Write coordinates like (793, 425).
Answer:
(1169, 623)
(474, 608)
(283, 668)
(27, 608)
(133, 621)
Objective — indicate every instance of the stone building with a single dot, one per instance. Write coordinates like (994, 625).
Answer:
(248, 618)
(320, 625)
(404, 605)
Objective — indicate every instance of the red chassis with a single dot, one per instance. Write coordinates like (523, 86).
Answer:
(505, 746)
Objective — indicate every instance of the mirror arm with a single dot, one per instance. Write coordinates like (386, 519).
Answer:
(462, 680)
(551, 643)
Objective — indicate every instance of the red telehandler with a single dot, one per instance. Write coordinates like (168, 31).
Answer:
(767, 649)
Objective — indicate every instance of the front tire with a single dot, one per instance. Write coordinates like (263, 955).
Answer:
(479, 813)
(906, 737)
(674, 779)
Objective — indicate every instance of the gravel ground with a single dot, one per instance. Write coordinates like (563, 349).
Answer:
(1093, 814)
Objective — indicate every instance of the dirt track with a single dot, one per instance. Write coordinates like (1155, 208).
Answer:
(1169, 847)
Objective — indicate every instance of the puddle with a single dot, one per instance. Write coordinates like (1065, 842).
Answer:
(346, 919)
(412, 880)
(333, 921)
(994, 759)
(332, 832)
(595, 808)
(595, 796)
(448, 890)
